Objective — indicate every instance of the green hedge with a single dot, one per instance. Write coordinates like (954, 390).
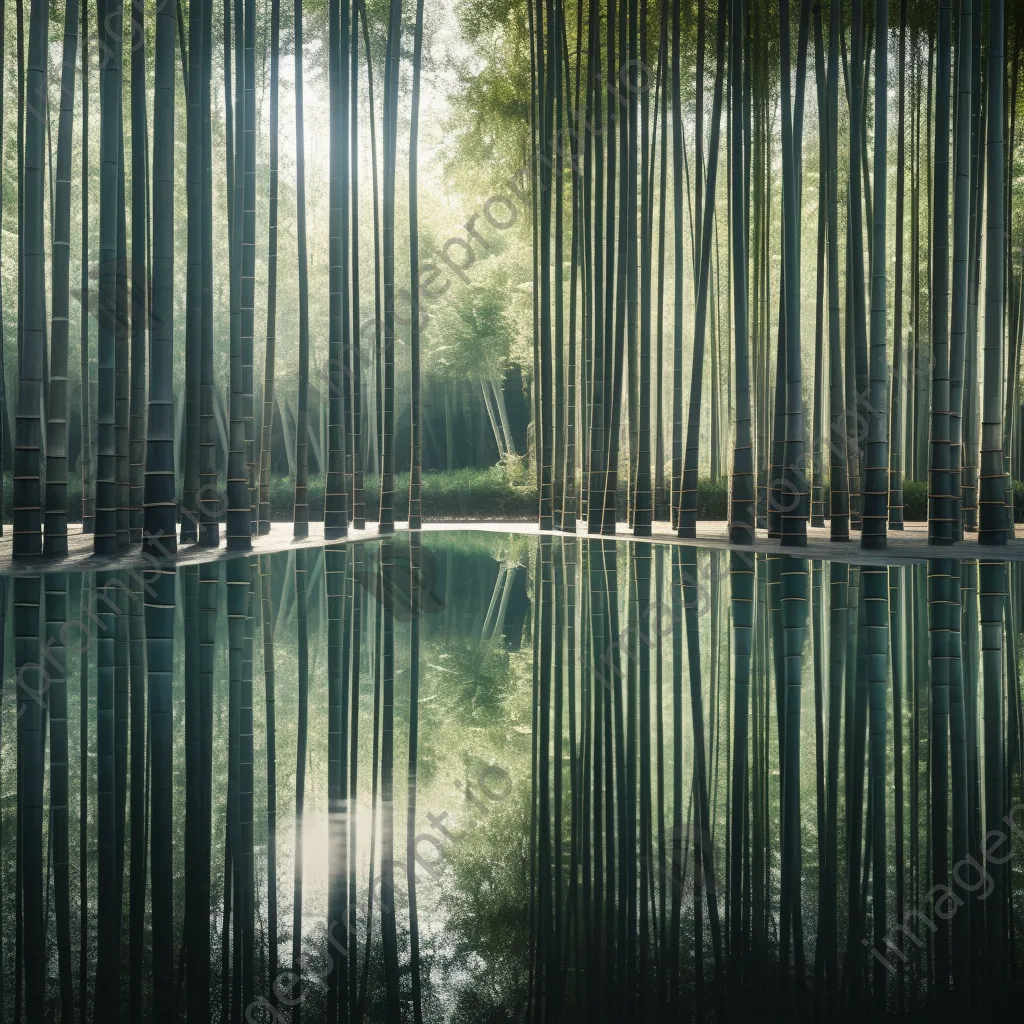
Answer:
(489, 494)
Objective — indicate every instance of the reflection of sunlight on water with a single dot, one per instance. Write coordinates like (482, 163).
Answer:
(317, 863)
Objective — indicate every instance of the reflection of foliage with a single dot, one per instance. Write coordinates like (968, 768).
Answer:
(485, 960)
(476, 689)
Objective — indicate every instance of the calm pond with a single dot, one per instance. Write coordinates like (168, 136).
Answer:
(477, 777)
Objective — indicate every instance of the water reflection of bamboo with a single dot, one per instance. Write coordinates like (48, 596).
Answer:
(355, 627)
(267, 622)
(389, 933)
(197, 906)
(83, 794)
(941, 604)
(108, 934)
(992, 593)
(618, 926)
(414, 702)
(742, 597)
(56, 615)
(138, 806)
(301, 585)
(160, 609)
(209, 603)
(335, 565)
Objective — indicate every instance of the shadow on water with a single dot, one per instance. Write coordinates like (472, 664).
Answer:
(479, 778)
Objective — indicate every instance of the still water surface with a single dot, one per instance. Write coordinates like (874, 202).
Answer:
(476, 777)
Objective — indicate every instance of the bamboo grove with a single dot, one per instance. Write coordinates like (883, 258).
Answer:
(130, 489)
(673, 320)
(910, 370)
(738, 778)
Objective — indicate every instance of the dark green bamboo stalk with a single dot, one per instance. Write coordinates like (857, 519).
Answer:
(900, 379)
(741, 508)
(339, 385)
(122, 369)
(876, 479)
(28, 441)
(210, 504)
(20, 22)
(354, 421)
(839, 491)
(961, 249)
(139, 279)
(818, 400)
(3, 369)
(416, 428)
(677, 321)
(589, 256)
(194, 274)
(626, 328)
(992, 526)
(241, 237)
(159, 534)
(567, 396)
(378, 317)
(972, 441)
(88, 499)
(941, 524)
(110, 141)
(248, 281)
(55, 540)
(793, 522)
(544, 49)
(688, 492)
(266, 431)
(301, 510)
(391, 68)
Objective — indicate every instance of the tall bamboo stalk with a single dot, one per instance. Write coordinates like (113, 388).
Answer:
(28, 440)
(941, 523)
(876, 481)
(416, 428)
(900, 378)
(992, 518)
(55, 540)
(159, 536)
(741, 509)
